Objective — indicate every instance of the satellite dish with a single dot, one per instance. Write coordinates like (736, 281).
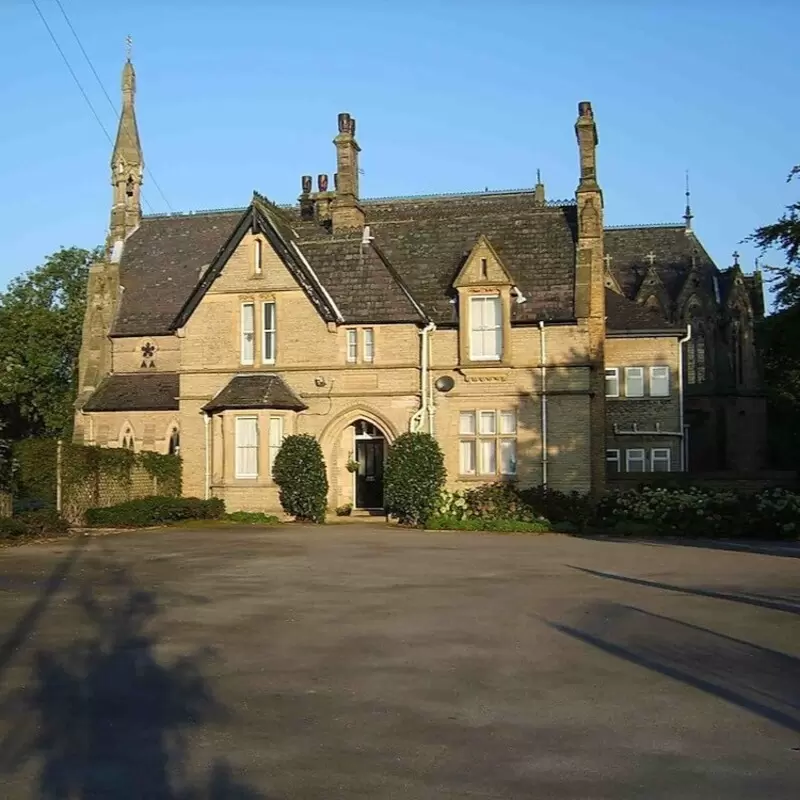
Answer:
(445, 383)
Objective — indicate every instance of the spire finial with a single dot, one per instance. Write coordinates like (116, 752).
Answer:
(538, 176)
(538, 191)
(128, 47)
(735, 258)
(687, 214)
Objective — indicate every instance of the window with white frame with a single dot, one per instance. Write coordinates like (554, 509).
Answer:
(659, 381)
(635, 460)
(660, 459)
(268, 333)
(248, 327)
(352, 345)
(275, 439)
(257, 256)
(613, 462)
(369, 345)
(634, 381)
(485, 328)
(612, 382)
(246, 447)
(488, 443)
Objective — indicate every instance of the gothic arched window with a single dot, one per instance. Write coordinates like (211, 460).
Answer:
(696, 353)
(174, 448)
(127, 439)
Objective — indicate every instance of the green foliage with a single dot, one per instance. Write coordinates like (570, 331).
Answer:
(150, 511)
(43, 522)
(12, 528)
(252, 518)
(704, 513)
(344, 510)
(414, 478)
(41, 319)
(299, 471)
(166, 469)
(36, 470)
(6, 465)
(451, 523)
(569, 510)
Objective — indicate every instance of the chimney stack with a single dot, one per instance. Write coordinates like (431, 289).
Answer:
(345, 210)
(586, 133)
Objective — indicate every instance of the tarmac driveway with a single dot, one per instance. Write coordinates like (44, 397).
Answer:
(366, 662)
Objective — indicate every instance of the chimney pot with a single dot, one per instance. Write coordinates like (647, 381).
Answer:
(306, 184)
(322, 183)
(585, 109)
(347, 124)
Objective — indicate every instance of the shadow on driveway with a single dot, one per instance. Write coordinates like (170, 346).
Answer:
(789, 605)
(763, 681)
(103, 716)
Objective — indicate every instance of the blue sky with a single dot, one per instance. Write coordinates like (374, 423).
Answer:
(449, 96)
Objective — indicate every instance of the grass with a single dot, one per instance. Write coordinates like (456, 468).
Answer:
(442, 523)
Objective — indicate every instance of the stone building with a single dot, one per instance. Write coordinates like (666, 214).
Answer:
(514, 329)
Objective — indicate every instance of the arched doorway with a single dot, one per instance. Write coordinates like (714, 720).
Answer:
(369, 447)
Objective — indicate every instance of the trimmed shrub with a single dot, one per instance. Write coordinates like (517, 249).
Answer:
(149, 511)
(448, 523)
(44, 522)
(299, 471)
(252, 518)
(344, 510)
(11, 528)
(414, 478)
(572, 510)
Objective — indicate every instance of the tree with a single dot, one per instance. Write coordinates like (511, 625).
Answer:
(41, 317)
(779, 335)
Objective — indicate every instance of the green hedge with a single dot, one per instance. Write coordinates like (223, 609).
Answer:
(252, 518)
(414, 478)
(149, 511)
(44, 522)
(449, 523)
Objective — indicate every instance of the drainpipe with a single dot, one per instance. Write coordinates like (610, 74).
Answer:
(424, 407)
(681, 343)
(543, 359)
(431, 393)
(207, 421)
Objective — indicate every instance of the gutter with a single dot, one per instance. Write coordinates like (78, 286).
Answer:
(681, 343)
(425, 407)
(543, 359)
(207, 479)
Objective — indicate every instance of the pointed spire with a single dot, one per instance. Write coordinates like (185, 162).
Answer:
(687, 214)
(127, 162)
(538, 192)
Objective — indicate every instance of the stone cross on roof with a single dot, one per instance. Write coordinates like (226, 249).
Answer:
(651, 257)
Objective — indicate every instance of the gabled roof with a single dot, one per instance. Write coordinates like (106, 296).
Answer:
(404, 275)
(256, 390)
(674, 252)
(138, 391)
(626, 316)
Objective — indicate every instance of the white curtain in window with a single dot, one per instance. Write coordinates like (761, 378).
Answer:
(369, 345)
(275, 438)
(467, 457)
(268, 343)
(508, 456)
(248, 333)
(246, 447)
(486, 328)
(488, 456)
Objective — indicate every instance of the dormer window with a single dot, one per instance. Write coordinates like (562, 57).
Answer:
(484, 269)
(485, 328)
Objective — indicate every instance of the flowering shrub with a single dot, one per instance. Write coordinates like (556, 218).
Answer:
(700, 512)
(492, 501)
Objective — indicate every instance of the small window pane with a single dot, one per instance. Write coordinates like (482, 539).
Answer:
(508, 422)
(246, 447)
(635, 461)
(352, 345)
(660, 459)
(612, 382)
(467, 457)
(508, 456)
(613, 461)
(466, 423)
(634, 381)
(659, 381)
(488, 457)
(257, 256)
(369, 345)
(488, 423)
(268, 343)
(275, 438)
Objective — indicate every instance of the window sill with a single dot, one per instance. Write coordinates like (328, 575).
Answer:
(493, 478)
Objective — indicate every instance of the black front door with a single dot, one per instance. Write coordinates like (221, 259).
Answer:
(369, 478)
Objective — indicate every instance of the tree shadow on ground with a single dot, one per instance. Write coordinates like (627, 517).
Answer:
(754, 678)
(789, 605)
(103, 716)
(781, 549)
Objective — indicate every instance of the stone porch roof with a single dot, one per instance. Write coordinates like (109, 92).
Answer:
(141, 391)
(256, 390)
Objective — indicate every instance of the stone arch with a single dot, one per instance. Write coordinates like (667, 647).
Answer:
(172, 440)
(350, 415)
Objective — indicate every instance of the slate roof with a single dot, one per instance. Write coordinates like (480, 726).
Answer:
(161, 264)
(625, 316)
(256, 390)
(140, 391)
(673, 248)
